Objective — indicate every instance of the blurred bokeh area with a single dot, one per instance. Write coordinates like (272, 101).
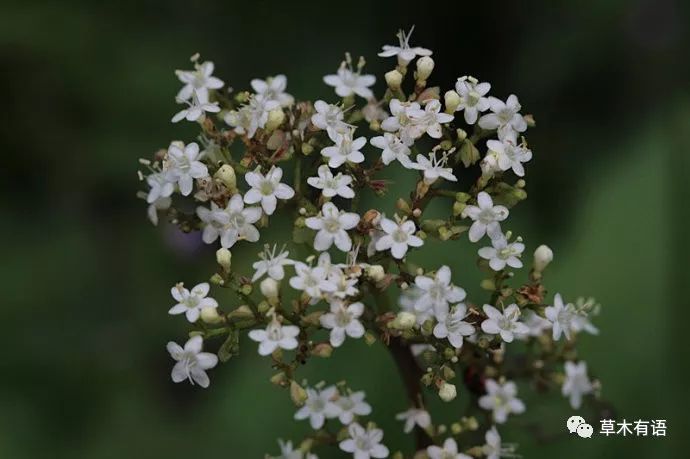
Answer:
(89, 88)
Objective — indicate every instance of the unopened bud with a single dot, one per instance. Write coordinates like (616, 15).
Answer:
(447, 392)
(275, 119)
(269, 288)
(323, 350)
(226, 175)
(375, 273)
(452, 100)
(425, 65)
(210, 316)
(297, 393)
(542, 257)
(242, 312)
(224, 258)
(394, 79)
(404, 321)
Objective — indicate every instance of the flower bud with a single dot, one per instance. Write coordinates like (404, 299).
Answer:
(210, 316)
(404, 321)
(269, 288)
(242, 312)
(323, 350)
(452, 100)
(447, 391)
(226, 175)
(275, 119)
(297, 393)
(224, 258)
(425, 65)
(542, 257)
(375, 273)
(394, 80)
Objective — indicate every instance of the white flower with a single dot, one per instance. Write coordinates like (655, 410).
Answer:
(191, 303)
(408, 300)
(535, 323)
(275, 336)
(345, 285)
(505, 117)
(191, 362)
(267, 189)
(412, 417)
(393, 148)
(346, 83)
(184, 165)
(562, 317)
(502, 253)
(332, 225)
(510, 156)
(453, 327)
(400, 121)
(332, 186)
(472, 99)
(397, 237)
(154, 207)
(329, 117)
(493, 449)
(449, 451)
(345, 149)
(576, 383)
(373, 111)
(232, 224)
(271, 263)
(343, 320)
(434, 168)
(312, 280)
(364, 444)
(195, 109)
(273, 88)
(287, 452)
(504, 323)
(486, 217)
(319, 406)
(199, 80)
(251, 116)
(404, 51)
(501, 399)
(161, 186)
(430, 118)
(352, 405)
(437, 292)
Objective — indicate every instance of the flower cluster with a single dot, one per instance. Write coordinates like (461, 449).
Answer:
(263, 157)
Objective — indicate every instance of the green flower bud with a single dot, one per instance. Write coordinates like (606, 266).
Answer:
(226, 175)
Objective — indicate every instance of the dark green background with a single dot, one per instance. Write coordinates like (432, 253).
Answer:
(88, 88)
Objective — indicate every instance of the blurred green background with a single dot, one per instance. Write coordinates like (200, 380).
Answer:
(89, 88)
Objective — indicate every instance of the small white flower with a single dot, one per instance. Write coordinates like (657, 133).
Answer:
(345, 285)
(352, 405)
(486, 217)
(199, 80)
(287, 452)
(271, 263)
(332, 225)
(576, 383)
(329, 117)
(510, 156)
(232, 224)
(453, 326)
(273, 88)
(195, 109)
(437, 292)
(431, 118)
(412, 417)
(184, 165)
(345, 149)
(267, 189)
(502, 253)
(191, 362)
(504, 323)
(397, 237)
(373, 111)
(312, 280)
(400, 121)
(191, 303)
(501, 399)
(319, 406)
(505, 117)
(275, 336)
(494, 449)
(154, 207)
(251, 116)
(434, 168)
(535, 323)
(449, 451)
(332, 186)
(404, 51)
(408, 300)
(562, 317)
(161, 186)
(364, 444)
(343, 320)
(393, 149)
(472, 99)
(347, 82)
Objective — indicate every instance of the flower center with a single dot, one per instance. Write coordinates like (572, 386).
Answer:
(400, 236)
(331, 225)
(266, 188)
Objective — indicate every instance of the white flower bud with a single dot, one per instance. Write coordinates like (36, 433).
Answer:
(269, 288)
(425, 65)
(375, 272)
(447, 392)
(394, 79)
(542, 257)
(224, 258)
(452, 100)
(405, 320)
(210, 315)
(226, 175)
(275, 119)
